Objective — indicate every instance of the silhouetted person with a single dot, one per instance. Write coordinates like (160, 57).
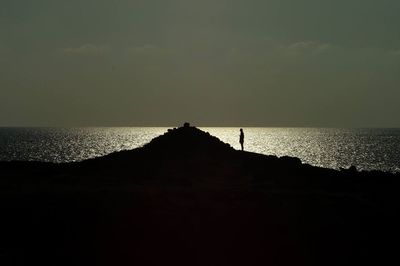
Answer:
(241, 138)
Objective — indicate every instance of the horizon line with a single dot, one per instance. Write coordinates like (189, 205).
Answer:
(199, 126)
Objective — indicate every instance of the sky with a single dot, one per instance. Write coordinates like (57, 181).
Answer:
(311, 63)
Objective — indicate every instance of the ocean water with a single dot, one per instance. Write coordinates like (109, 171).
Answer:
(367, 149)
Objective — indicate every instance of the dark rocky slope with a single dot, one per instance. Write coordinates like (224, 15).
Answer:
(186, 198)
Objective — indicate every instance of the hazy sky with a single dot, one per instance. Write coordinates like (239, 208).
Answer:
(210, 62)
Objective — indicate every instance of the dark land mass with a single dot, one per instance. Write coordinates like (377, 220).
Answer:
(186, 198)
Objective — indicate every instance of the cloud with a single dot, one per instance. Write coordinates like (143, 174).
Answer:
(147, 50)
(87, 49)
(2, 49)
(306, 47)
(271, 49)
(395, 52)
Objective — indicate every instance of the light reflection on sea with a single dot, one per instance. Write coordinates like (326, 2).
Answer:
(71, 144)
(368, 149)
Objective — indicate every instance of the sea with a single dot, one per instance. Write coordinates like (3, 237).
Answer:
(364, 148)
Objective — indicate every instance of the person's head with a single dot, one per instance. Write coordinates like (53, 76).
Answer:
(241, 130)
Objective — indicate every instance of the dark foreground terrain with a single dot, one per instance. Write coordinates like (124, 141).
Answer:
(188, 199)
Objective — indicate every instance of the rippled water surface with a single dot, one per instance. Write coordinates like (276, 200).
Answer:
(367, 149)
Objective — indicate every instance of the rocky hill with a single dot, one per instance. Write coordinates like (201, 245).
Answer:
(186, 198)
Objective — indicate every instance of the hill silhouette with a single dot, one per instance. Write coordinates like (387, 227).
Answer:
(187, 198)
